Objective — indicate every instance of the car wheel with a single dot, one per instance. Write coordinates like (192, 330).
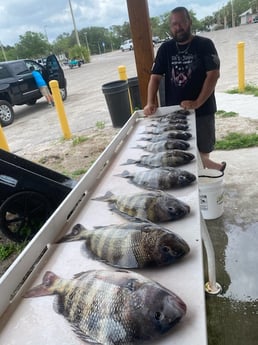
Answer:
(23, 214)
(63, 92)
(6, 113)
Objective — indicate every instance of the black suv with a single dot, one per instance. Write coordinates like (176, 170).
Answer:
(18, 87)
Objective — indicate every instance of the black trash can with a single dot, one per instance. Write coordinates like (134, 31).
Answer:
(117, 98)
(162, 101)
(135, 93)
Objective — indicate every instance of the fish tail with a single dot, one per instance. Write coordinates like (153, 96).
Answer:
(43, 289)
(105, 197)
(129, 161)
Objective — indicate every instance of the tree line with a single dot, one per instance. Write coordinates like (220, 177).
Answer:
(98, 40)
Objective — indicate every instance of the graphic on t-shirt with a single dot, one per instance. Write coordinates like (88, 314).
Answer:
(181, 69)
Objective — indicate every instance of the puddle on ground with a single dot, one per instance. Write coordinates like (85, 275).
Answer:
(241, 262)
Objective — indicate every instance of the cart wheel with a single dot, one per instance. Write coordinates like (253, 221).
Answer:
(23, 214)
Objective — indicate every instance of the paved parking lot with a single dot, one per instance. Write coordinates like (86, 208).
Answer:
(84, 107)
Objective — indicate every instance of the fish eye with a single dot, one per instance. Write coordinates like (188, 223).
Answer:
(158, 316)
(165, 249)
(75, 231)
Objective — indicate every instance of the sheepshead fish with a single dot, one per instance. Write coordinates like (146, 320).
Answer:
(159, 129)
(178, 134)
(112, 307)
(160, 178)
(169, 120)
(178, 114)
(165, 145)
(155, 206)
(131, 245)
(173, 158)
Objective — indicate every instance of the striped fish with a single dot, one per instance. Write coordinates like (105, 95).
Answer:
(131, 245)
(160, 178)
(178, 114)
(173, 158)
(171, 120)
(155, 206)
(159, 129)
(165, 145)
(178, 134)
(112, 307)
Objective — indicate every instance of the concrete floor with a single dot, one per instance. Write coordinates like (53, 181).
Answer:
(232, 315)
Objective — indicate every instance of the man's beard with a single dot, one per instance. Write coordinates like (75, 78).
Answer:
(182, 36)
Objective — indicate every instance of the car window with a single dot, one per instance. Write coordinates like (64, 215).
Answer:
(31, 63)
(19, 68)
(52, 64)
(4, 73)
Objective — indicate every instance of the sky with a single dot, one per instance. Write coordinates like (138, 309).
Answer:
(53, 17)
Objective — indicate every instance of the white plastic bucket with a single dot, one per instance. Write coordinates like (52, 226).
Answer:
(211, 193)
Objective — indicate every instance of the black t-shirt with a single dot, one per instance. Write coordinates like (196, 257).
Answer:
(184, 68)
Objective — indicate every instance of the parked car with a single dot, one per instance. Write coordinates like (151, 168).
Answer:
(127, 45)
(255, 20)
(74, 63)
(18, 87)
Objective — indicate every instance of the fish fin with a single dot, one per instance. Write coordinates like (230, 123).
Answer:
(81, 275)
(125, 174)
(105, 197)
(144, 138)
(113, 208)
(129, 161)
(84, 337)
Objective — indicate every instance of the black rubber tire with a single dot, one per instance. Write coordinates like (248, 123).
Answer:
(6, 113)
(63, 92)
(23, 214)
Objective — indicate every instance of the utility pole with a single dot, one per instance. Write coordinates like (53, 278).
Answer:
(86, 40)
(233, 15)
(74, 25)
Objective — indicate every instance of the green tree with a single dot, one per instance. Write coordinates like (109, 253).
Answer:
(62, 44)
(77, 52)
(32, 45)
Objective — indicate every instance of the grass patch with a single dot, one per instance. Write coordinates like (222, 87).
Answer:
(8, 249)
(78, 172)
(234, 141)
(249, 89)
(78, 140)
(100, 124)
(223, 114)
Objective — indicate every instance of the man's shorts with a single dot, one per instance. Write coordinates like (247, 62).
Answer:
(44, 91)
(205, 131)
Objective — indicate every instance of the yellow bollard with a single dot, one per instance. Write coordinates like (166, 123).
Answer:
(60, 108)
(123, 76)
(241, 66)
(3, 141)
(122, 72)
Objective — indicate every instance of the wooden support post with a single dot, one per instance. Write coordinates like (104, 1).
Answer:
(142, 41)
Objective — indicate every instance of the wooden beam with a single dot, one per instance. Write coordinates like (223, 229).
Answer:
(142, 41)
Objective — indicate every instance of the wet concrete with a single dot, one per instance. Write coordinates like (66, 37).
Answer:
(232, 315)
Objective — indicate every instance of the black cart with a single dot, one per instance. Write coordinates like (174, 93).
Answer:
(29, 194)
